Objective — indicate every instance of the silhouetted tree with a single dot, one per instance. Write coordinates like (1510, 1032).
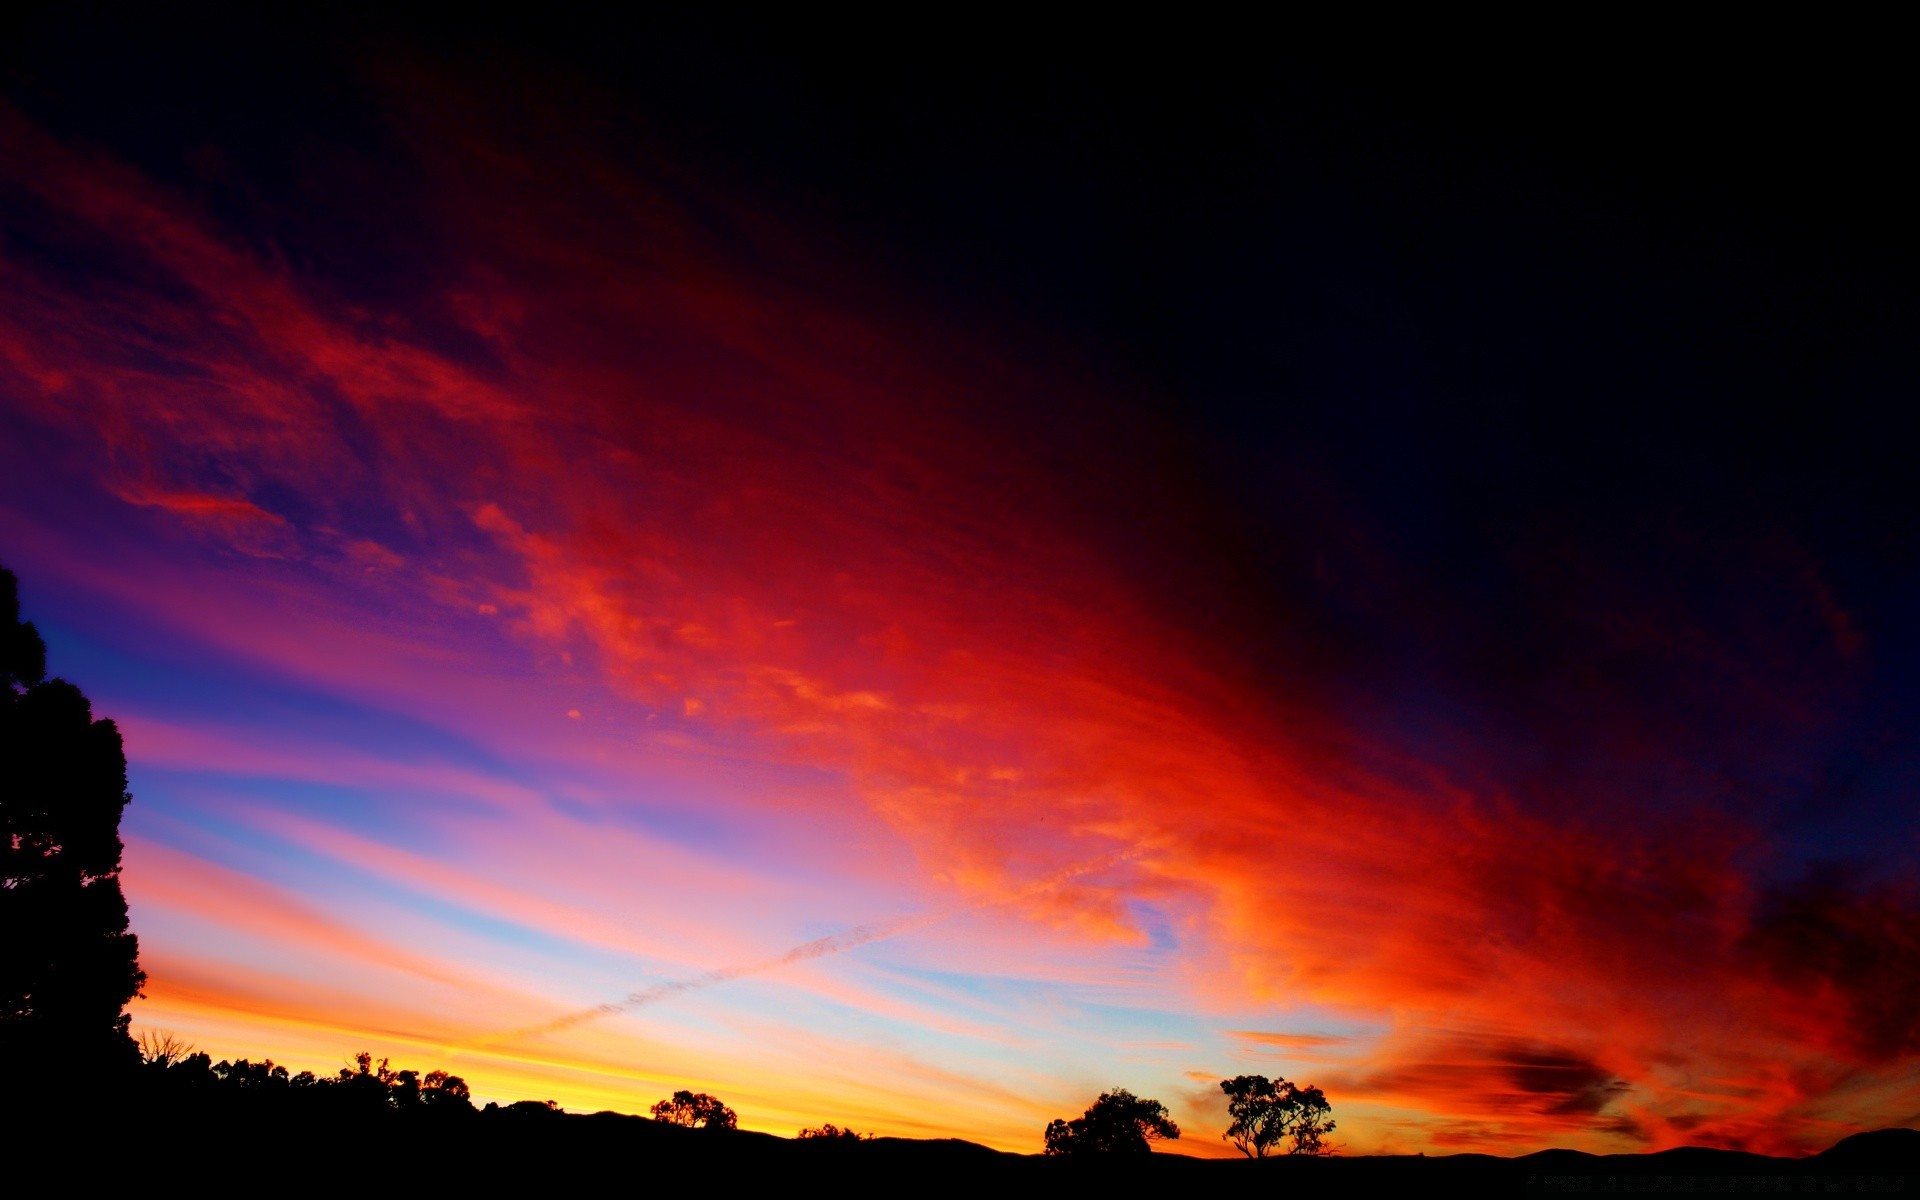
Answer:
(695, 1110)
(160, 1050)
(404, 1092)
(366, 1083)
(68, 965)
(251, 1075)
(1313, 1124)
(374, 1084)
(195, 1070)
(1119, 1122)
(441, 1092)
(830, 1132)
(1267, 1113)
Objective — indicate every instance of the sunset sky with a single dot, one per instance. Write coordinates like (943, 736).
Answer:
(1011, 567)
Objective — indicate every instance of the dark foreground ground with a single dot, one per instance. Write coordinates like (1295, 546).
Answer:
(234, 1147)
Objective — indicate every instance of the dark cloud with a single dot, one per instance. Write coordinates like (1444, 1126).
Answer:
(1493, 1075)
(1853, 942)
(1575, 1085)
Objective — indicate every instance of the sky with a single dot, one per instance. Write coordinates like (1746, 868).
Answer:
(909, 589)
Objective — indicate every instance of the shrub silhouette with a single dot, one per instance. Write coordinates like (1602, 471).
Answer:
(1119, 1122)
(1267, 1113)
(830, 1132)
(695, 1110)
(68, 964)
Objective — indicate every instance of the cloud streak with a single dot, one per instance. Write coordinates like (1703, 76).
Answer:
(820, 947)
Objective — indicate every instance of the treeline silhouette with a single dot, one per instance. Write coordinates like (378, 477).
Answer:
(171, 1071)
(368, 1121)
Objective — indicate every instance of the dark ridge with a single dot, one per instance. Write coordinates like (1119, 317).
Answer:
(1882, 1150)
(529, 1145)
(957, 1147)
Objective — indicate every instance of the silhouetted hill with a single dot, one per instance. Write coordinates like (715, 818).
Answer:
(1682, 1160)
(288, 1140)
(1888, 1150)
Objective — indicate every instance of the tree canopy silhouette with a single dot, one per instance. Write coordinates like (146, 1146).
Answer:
(695, 1110)
(384, 1087)
(68, 964)
(1268, 1113)
(1119, 1122)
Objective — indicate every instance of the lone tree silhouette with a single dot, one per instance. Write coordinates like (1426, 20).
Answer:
(1267, 1113)
(1119, 1122)
(695, 1110)
(68, 965)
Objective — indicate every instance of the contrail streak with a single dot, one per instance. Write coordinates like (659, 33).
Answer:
(859, 935)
